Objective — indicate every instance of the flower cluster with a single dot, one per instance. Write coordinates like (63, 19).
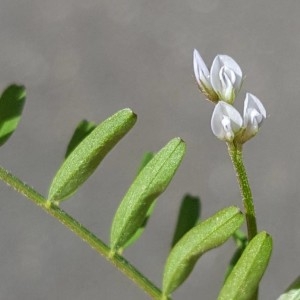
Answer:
(220, 85)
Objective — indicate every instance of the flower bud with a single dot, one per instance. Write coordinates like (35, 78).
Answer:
(254, 115)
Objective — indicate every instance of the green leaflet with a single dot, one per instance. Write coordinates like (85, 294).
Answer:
(144, 161)
(11, 106)
(241, 241)
(188, 217)
(292, 292)
(146, 158)
(85, 158)
(243, 280)
(206, 235)
(83, 129)
(140, 230)
(148, 185)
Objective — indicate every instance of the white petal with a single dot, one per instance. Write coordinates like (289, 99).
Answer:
(215, 74)
(226, 121)
(230, 63)
(200, 69)
(227, 79)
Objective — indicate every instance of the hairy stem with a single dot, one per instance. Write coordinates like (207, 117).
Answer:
(91, 239)
(236, 155)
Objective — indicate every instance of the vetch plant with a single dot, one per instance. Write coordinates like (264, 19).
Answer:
(193, 236)
(228, 125)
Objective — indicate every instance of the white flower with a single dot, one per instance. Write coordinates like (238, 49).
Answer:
(202, 77)
(226, 121)
(226, 77)
(254, 114)
(228, 125)
(222, 82)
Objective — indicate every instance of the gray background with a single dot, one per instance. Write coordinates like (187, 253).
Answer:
(87, 59)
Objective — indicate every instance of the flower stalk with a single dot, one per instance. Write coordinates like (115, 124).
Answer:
(236, 154)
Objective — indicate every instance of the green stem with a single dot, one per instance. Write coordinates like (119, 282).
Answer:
(91, 239)
(236, 155)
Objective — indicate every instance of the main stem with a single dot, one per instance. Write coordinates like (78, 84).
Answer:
(91, 239)
(236, 155)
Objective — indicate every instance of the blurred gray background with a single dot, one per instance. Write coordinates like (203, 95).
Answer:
(88, 59)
